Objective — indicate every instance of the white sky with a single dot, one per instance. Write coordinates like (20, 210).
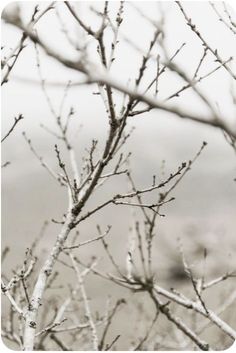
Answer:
(209, 191)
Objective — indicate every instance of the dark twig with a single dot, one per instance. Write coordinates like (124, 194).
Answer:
(20, 117)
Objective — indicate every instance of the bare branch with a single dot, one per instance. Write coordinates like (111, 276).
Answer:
(205, 44)
(20, 117)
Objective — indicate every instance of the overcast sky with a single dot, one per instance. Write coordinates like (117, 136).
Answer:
(208, 192)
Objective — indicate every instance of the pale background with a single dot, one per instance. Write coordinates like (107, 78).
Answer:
(203, 214)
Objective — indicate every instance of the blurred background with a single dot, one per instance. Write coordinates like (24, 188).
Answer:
(203, 214)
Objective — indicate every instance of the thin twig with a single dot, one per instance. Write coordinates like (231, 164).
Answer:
(20, 117)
